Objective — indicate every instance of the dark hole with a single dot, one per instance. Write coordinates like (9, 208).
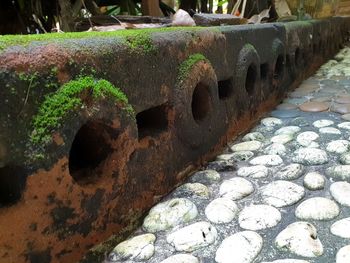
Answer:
(12, 183)
(297, 57)
(225, 88)
(264, 71)
(152, 122)
(90, 148)
(201, 102)
(279, 68)
(289, 64)
(303, 59)
(324, 47)
(203, 234)
(320, 46)
(250, 79)
(335, 46)
(315, 48)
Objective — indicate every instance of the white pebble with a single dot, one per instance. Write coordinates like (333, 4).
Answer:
(322, 123)
(193, 237)
(271, 122)
(236, 188)
(221, 210)
(269, 160)
(341, 192)
(341, 228)
(314, 181)
(317, 208)
(301, 239)
(258, 217)
(242, 247)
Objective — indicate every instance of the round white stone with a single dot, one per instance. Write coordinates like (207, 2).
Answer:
(181, 258)
(254, 136)
(314, 181)
(344, 125)
(301, 239)
(338, 146)
(329, 130)
(242, 247)
(271, 122)
(339, 172)
(206, 176)
(282, 193)
(258, 217)
(225, 157)
(246, 146)
(169, 214)
(193, 237)
(310, 156)
(221, 210)
(282, 138)
(137, 248)
(242, 155)
(288, 130)
(257, 171)
(269, 160)
(345, 158)
(275, 149)
(343, 255)
(290, 172)
(322, 123)
(341, 192)
(236, 188)
(317, 208)
(341, 228)
(287, 261)
(197, 189)
(306, 138)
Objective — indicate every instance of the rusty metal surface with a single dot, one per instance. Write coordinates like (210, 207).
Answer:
(56, 208)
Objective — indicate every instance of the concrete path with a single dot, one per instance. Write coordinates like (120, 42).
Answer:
(280, 193)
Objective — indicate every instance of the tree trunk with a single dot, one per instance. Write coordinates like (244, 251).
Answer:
(204, 6)
(211, 4)
(188, 5)
(230, 5)
(66, 12)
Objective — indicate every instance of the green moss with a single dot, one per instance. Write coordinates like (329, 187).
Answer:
(135, 38)
(57, 106)
(187, 65)
(54, 70)
(140, 43)
(31, 78)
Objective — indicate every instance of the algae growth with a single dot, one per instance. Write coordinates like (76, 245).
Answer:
(187, 65)
(139, 40)
(55, 107)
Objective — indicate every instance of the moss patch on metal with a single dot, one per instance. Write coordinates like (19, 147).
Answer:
(139, 39)
(57, 106)
(187, 65)
(140, 43)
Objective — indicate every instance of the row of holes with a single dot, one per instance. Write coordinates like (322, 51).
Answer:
(154, 121)
(87, 151)
(90, 146)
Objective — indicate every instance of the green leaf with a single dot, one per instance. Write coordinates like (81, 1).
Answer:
(221, 3)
